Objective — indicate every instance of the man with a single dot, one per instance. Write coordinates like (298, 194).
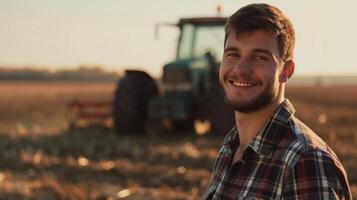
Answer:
(269, 154)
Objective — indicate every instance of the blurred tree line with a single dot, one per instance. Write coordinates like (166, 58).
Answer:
(81, 73)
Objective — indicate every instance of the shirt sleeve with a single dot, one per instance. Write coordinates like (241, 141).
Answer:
(317, 175)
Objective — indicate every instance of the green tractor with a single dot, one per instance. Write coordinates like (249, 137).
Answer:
(190, 98)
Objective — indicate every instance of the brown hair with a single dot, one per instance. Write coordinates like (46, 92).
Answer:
(264, 17)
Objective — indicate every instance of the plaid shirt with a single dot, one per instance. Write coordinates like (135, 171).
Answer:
(286, 160)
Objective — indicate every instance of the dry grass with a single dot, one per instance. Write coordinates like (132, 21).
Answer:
(37, 107)
(40, 159)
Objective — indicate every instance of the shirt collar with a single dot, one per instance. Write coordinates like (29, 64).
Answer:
(264, 143)
(266, 139)
(231, 140)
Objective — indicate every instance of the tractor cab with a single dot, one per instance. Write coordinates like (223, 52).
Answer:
(190, 89)
(199, 36)
(199, 52)
(191, 76)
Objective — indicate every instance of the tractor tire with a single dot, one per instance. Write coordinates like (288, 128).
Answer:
(130, 103)
(220, 115)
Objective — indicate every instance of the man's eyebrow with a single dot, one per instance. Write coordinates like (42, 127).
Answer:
(257, 50)
(264, 51)
(230, 48)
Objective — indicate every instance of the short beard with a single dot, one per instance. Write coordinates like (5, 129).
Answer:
(255, 104)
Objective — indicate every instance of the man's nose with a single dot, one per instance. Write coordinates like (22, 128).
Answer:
(243, 65)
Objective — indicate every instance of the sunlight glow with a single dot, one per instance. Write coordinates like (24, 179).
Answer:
(190, 150)
(37, 157)
(2, 177)
(82, 161)
(181, 170)
(202, 127)
(322, 119)
(108, 165)
(74, 33)
(124, 193)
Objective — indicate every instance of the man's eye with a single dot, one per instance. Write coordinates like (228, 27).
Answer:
(232, 54)
(260, 58)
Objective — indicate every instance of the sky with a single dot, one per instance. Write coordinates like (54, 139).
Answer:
(119, 34)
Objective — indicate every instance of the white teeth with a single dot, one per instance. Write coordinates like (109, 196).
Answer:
(240, 84)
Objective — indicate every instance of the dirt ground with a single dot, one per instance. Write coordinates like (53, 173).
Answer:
(41, 159)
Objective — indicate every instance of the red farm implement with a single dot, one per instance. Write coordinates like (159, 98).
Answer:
(84, 114)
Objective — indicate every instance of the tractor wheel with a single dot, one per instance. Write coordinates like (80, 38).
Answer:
(220, 115)
(130, 103)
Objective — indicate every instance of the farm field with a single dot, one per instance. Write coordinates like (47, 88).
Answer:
(41, 159)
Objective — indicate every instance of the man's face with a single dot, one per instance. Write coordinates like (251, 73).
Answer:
(250, 69)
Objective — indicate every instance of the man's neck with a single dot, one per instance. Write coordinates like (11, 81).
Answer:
(249, 124)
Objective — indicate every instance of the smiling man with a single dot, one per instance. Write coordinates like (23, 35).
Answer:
(269, 154)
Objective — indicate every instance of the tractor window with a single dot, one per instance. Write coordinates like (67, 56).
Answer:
(209, 39)
(196, 40)
(185, 45)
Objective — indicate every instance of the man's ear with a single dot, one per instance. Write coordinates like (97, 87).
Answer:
(287, 71)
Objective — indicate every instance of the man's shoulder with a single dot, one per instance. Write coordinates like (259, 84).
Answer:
(305, 137)
(301, 141)
(314, 162)
(291, 133)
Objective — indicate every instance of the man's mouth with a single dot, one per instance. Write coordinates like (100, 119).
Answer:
(242, 84)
